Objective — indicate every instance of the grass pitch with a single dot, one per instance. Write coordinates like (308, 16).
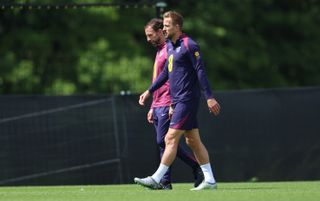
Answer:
(270, 191)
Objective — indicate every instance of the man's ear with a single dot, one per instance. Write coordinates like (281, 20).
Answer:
(178, 26)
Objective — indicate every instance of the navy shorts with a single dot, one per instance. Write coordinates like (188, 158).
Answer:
(185, 115)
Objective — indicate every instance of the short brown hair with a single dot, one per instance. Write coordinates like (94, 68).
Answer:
(155, 24)
(175, 16)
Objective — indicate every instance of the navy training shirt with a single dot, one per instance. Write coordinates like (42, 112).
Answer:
(185, 70)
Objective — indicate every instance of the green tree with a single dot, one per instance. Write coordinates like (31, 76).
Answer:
(246, 44)
(256, 44)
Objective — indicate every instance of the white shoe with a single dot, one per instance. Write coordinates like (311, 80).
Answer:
(204, 186)
(148, 182)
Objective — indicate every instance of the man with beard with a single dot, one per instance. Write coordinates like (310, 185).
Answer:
(185, 71)
(159, 111)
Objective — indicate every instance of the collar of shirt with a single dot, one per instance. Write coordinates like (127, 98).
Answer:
(179, 40)
(161, 46)
(183, 35)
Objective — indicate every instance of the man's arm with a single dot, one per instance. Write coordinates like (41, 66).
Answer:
(198, 65)
(162, 78)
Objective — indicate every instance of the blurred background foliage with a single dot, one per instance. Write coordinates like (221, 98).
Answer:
(246, 44)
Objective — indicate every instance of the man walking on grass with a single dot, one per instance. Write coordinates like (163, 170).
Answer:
(185, 71)
(158, 114)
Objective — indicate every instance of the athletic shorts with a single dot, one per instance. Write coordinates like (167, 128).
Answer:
(185, 115)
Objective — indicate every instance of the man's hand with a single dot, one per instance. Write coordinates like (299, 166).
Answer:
(213, 106)
(150, 116)
(144, 97)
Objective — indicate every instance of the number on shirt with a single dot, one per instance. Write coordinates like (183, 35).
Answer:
(170, 63)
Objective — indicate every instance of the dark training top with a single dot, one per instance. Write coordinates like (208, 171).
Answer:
(185, 70)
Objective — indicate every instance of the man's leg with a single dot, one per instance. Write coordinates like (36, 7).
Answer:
(190, 160)
(186, 157)
(193, 140)
(161, 123)
(172, 140)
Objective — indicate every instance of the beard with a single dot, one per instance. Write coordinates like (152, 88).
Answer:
(156, 42)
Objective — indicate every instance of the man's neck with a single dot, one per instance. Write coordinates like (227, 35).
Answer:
(176, 37)
(161, 44)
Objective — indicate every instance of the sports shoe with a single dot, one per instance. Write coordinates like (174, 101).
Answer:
(148, 182)
(167, 186)
(204, 186)
(198, 176)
